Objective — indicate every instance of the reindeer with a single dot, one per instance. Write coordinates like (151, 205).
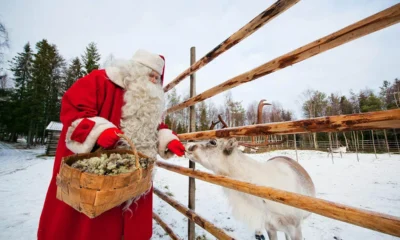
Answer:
(222, 157)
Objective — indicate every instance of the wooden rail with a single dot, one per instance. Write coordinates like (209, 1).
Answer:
(353, 122)
(255, 24)
(208, 226)
(364, 27)
(368, 219)
(167, 229)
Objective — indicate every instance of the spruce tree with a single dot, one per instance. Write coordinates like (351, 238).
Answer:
(73, 73)
(21, 66)
(91, 58)
(45, 88)
(345, 106)
(203, 121)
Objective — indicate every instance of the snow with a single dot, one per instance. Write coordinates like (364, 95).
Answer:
(371, 184)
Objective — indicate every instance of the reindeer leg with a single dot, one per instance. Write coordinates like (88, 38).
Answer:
(272, 235)
(259, 235)
(295, 233)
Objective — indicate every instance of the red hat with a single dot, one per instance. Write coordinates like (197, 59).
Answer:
(151, 60)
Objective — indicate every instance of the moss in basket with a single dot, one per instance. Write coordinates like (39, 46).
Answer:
(113, 164)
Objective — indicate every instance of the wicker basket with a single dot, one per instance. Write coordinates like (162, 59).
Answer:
(94, 194)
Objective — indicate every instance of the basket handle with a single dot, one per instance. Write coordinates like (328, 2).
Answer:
(133, 149)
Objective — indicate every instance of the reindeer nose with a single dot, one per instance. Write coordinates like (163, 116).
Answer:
(192, 148)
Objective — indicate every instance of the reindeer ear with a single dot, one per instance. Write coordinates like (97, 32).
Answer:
(230, 145)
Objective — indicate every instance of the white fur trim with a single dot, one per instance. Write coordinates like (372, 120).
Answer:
(85, 147)
(150, 60)
(114, 74)
(164, 137)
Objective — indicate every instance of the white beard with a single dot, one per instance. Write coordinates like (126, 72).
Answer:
(142, 114)
(142, 111)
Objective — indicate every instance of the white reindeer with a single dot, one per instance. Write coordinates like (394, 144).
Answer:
(222, 157)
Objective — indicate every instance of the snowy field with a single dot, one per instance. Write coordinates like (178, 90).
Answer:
(372, 184)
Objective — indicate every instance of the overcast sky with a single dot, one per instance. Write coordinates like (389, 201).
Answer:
(172, 27)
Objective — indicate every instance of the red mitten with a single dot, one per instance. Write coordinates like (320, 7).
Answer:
(108, 138)
(176, 147)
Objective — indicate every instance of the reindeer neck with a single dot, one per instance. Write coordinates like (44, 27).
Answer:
(239, 165)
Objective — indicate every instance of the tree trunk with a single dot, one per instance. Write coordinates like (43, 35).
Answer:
(352, 135)
(362, 141)
(345, 139)
(29, 138)
(315, 140)
(386, 141)
(330, 146)
(373, 143)
(358, 159)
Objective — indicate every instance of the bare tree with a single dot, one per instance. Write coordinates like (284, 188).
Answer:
(109, 61)
(251, 113)
(4, 41)
(212, 111)
(3, 81)
(314, 105)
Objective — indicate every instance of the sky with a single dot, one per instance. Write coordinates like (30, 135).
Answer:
(171, 27)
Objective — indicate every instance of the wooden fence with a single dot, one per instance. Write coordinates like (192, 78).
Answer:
(373, 120)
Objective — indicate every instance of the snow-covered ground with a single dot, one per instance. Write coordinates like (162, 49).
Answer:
(372, 184)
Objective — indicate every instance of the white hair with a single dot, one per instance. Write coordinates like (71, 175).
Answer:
(143, 109)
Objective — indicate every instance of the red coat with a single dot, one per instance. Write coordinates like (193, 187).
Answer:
(92, 96)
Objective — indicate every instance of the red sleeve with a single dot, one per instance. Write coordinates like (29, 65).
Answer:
(80, 100)
(79, 113)
(82, 130)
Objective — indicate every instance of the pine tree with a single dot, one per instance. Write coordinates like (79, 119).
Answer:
(45, 89)
(203, 121)
(345, 106)
(73, 73)
(389, 94)
(369, 102)
(173, 99)
(238, 113)
(7, 121)
(180, 129)
(286, 115)
(91, 58)
(168, 121)
(21, 66)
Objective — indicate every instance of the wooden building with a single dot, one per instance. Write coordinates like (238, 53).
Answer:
(53, 131)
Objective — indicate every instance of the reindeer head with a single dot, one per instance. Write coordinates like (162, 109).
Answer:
(213, 154)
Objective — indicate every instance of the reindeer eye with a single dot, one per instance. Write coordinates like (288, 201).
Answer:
(213, 142)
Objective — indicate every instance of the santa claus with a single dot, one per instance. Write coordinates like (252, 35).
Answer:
(126, 97)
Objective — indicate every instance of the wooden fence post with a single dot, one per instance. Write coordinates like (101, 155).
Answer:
(373, 143)
(358, 159)
(386, 140)
(295, 147)
(397, 141)
(192, 165)
(330, 146)
(373, 220)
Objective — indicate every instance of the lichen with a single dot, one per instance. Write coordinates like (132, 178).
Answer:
(113, 164)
